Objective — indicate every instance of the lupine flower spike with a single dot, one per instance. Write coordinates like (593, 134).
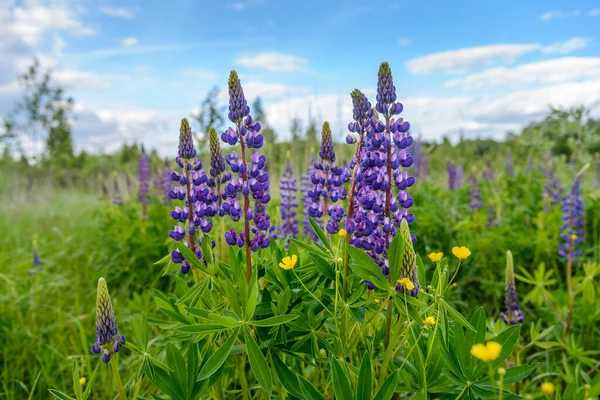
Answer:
(289, 205)
(513, 314)
(409, 280)
(117, 197)
(144, 178)
(305, 187)
(573, 222)
(108, 340)
(475, 193)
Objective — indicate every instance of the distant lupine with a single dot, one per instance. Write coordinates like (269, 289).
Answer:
(252, 182)
(488, 173)
(144, 180)
(289, 205)
(573, 223)
(417, 156)
(508, 165)
(513, 314)
(425, 166)
(128, 184)
(162, 183)
(198, 199)
(219, 176)
(117, 197)
(108, 340)
(553, 192)
(491, 216)
(305, 186)
(451, 168)
(36, 262)
(328, 181)
(459, 176)
(475, 193)
(104, 188)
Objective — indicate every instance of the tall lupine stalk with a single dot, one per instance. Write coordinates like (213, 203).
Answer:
(475, 193)
(553, 192)
(459, 176)
(219, 176)
(108, 340)
(572, 236)
(417, 153)
(252, 183)
(289, 205)
(117, 196)
(144, 181)
(508, 165)
(162, 183)
(513, 314)
(198, 200)
(328, 185)
(488, 173)
(451, 168)
(362, 113)
(305, 187)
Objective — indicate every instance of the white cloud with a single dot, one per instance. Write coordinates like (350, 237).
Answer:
(244, 4)
(403, 41)
(566, 69)
(462, 60)
(567, 46)
(200, 74)
(272, 61)
(550, 15)
(76, 80)
(58, 44)
(129, 42)
(32, 21)
(119, 12)
(594, 12)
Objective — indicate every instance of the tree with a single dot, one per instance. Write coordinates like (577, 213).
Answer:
(209, 116)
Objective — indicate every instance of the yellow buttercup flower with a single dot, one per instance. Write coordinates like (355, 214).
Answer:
(407, 283)
(430, 320)
(82, 380)
(574, 237)
(486, 352)
(288, 262)
(548, 388)
(377, 301)
(461, 252)
(436, 257)
(342, 232)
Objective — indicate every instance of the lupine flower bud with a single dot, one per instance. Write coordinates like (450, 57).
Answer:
(144, 177)
(408, 269)
(513, 314)
(186, 141)
(573, 221)
(108, 340)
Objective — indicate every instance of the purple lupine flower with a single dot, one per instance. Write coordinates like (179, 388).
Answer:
(108, 340)
(219, 176)
(36, 262)
(491, 217)
(488, 174)
(190, 186)
(117, 197)
(289, 205)
(475, 193)
(305, 187)
(417, 156)
(573, 222)
(513, 314)
(144, 178)
(508, 164)
(252, 182)
(553, 191)
(451, 176)
(459, 176)
(165, 182)
(328, 185)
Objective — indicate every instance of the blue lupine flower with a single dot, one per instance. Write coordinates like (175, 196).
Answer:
(573, 222)
(108, 340)
(513, 314)
(289, 205)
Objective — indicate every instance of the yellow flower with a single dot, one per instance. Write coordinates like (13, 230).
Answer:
(436, 257)
(486, 352)
(461, 252)
(342, 232)
(407, 283)
(574, 237)
(377, 301)
(288, 262)
(548, 388)
(454, 284)
(82, 380)
(430, 320)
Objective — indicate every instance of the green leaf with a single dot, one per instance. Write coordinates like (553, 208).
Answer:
(396, 252)
(507, 339)
(258, 363)
(323, 266)
(457, 316)
(140, 331)
(364, 385)
(189, 255)
(288, 379)
(192, 294)
(386, 391)
(207, 251)
(309, 392)
(320, 233)
(514, 374)
(219, 319)
(91, 381)
(60, 395)
(276, 320)
(478, 321)
(177, 364)
(252, 298)
(202, 328)
(32, 391)
(76, 384)
(341, 383)
(421, 272)
(365, 268)
(217, 359)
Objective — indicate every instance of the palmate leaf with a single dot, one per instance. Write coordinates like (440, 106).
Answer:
(217, 359)
(188, 255)
(366, 268)
(276, 320)
(288, 379)
(341, 383)
(258, 362)
(320, 234)
(386, 391)
(396, 252)
(514, 374)
(364, 385)
(457, 316)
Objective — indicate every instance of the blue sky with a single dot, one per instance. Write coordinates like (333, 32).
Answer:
(135, 68)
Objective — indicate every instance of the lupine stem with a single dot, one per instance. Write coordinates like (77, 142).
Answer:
(244, 213)
(222, 221)
(120, 387)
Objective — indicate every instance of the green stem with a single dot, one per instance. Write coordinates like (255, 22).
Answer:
(120, 387)
(311, 293)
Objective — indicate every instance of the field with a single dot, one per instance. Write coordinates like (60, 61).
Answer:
(317, 292)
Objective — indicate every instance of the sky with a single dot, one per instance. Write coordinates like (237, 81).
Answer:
(470, 68)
